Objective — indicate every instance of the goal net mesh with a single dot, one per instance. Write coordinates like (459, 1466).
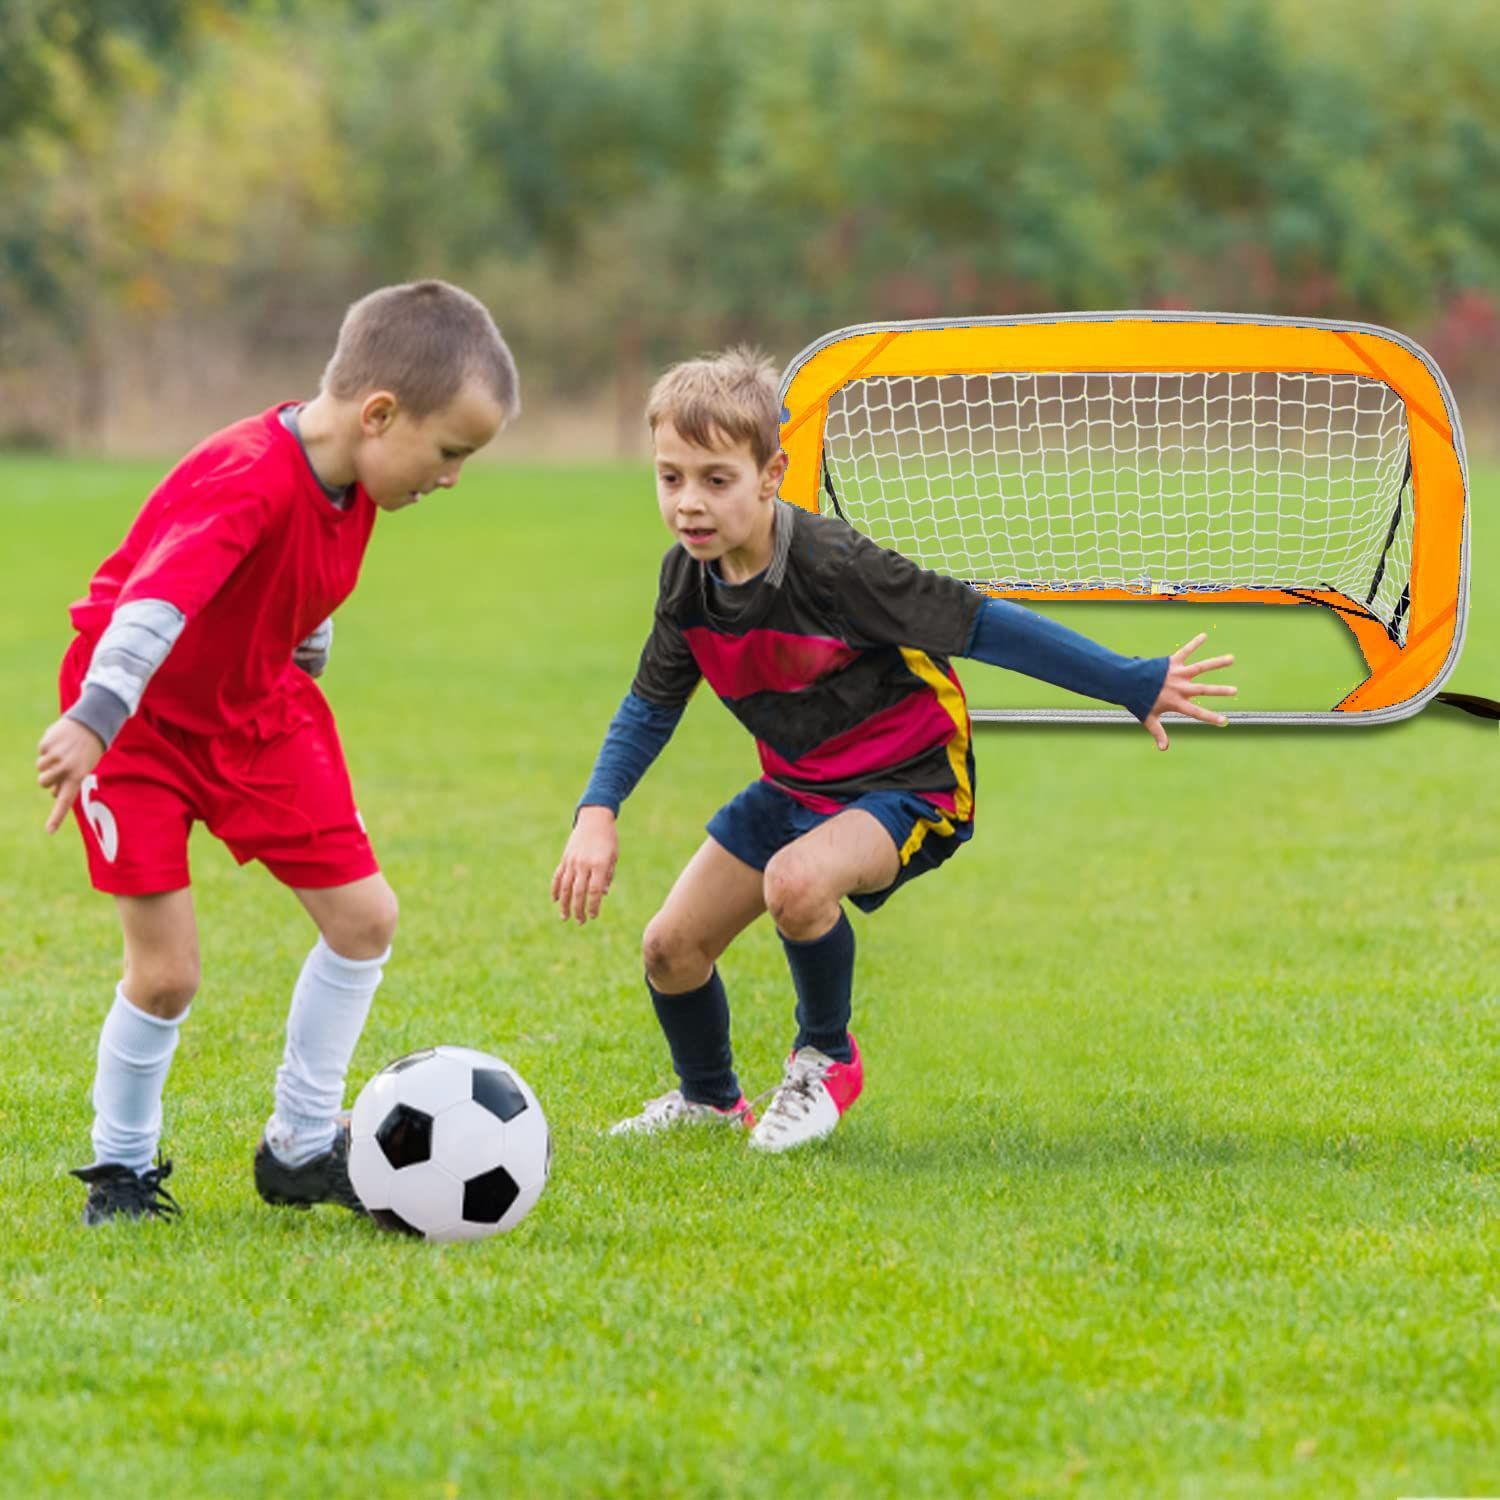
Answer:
(1150, 483)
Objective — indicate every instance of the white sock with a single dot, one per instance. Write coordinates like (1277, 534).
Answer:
(135, 1051)
(329, 1006)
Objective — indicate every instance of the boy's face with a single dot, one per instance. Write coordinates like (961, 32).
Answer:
(714, 500)
(400, 458)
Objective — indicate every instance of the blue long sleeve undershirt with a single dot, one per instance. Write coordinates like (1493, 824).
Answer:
(1004, 635)
(1007, 635)
(636, 736)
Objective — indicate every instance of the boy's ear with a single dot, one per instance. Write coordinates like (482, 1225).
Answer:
(773, 473)
(376, 412)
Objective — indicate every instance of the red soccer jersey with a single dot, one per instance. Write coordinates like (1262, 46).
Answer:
(241, 537)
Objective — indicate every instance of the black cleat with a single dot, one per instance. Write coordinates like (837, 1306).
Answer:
(115, 1192)
(324, 1179)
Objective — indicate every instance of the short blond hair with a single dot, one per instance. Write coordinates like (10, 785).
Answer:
(422, 341)
(730, 397)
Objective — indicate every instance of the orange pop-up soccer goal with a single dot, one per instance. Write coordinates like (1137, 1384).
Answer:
(1156, 456)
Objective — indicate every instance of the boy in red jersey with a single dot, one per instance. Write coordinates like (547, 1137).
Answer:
(188, 695)
(833, 653)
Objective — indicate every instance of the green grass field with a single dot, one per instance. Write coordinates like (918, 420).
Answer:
(1176, 1173)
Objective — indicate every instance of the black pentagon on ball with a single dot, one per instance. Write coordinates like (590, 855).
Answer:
(487, 1196)
(498, 1092)
(405, 1136)
(388, 1218)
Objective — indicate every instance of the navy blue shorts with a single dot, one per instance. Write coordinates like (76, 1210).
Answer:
(764, 819)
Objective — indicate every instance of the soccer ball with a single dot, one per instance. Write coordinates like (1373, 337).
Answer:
(448, 1143)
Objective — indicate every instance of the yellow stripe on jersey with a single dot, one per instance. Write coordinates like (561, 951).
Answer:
(951, 700)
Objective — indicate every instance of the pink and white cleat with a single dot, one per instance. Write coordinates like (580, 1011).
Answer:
(813, 1094)
(671, 1110)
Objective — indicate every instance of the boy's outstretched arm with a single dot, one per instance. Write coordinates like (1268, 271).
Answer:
(637, 734)
(1006, 635)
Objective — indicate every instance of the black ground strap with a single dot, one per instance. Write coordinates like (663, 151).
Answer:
(1481, 708)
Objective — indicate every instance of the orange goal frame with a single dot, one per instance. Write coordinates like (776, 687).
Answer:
(1401, 678)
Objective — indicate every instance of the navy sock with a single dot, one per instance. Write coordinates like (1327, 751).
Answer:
(696, 1024)
(823, 972)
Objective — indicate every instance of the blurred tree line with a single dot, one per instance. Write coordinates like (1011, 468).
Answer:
(628, 181)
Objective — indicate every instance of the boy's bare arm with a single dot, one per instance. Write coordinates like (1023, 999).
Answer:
(65, 756)
(1180, 687)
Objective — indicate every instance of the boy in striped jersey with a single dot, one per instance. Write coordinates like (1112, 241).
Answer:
(834, 653)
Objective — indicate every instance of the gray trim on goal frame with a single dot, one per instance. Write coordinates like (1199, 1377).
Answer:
(1268, 716)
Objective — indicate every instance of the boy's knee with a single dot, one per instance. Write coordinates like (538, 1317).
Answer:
(383, 921)
(668, 956)
(793, 892)
(658, 949)
(367, 929)
(163, 988)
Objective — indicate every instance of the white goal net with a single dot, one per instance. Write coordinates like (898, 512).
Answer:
(1150, 483)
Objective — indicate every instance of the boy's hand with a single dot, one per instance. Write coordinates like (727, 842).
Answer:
(582, 880)
(66, 754)
(1178, 690)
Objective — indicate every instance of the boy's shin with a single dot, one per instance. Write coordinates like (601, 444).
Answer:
(329, 1006)
(696, 1025)
(135, 1053)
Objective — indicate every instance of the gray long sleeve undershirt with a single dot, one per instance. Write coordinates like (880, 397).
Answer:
(133, 646)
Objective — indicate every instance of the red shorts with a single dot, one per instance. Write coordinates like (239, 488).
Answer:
(281, 797)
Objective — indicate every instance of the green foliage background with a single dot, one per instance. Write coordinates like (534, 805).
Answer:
(626, 181)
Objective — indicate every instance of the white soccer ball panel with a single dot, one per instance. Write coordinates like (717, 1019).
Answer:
(471, 1057)
(427, 1198)
(463, 1230)
(449, 1233)
(527, 1146)
(433, 1083)
(467, 1140)
(370, 1173)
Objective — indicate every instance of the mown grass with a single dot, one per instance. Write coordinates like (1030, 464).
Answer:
(1175, 1174)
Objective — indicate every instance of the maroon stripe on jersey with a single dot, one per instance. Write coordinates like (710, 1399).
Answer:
(900, 733)
(764, 661)
(813, 801)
